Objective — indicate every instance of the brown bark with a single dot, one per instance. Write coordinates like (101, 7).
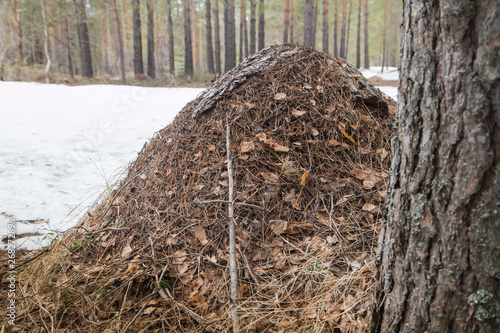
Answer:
(439, 249)
(358, 38)
(286, 19)
(19, 35)
(335, 28)
(262, 24)
(229, 35)
(83, 39)
(342, 52)
(68, 49)
(326, 25)
(218, 67)
(136, 26)
(291, 22)
(367, 56)
(308, 22)
(208, 27)
(151, 40)
(314, 23)
(384, 37)
(188, 41)
(120, 43)
(348, 30)
(171, 53)
(253, 19)
(243, 19)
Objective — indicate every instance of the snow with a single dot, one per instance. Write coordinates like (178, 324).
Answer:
(392, 92)
(389, 73)
(61, 147)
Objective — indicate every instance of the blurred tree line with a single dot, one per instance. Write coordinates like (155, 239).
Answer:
(188, 38)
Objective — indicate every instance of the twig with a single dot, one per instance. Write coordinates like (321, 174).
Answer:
(234, 203)
(232, 235)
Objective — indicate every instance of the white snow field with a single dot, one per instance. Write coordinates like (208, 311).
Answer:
(61, 147)
(389, 73)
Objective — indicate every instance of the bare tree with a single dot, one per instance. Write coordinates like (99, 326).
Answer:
(83, 38)
(335, 28)
(171, 51)
(292, 19)
(326, 27)
(208, 27)
(229, 35)
(151, 41)
(46, 39)
(253, 20)
(438, 262)
(188, 41)
(262, 23)
(136, 24)
(243, 23)
(343, 52)
(286, 22)
(384, 37)
(218, 67)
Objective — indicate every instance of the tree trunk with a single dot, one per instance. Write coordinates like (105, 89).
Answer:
(136, 26)
(45, 39)
(286, 19)
(358, 38)
(367, 56)
(218, 67)
(348, 30)
(314, 23)
(342, 52)
(439, 249)
(253, 19)
(308, 22)
(335, 28)
(229, 35)
(262, 23)
(210, 49)
(384, 37)
(19, 35)
(83, 39)
(243, 18)
(68, 50)
(326, 26)
(291, 21)
(171, 53)
(188, 41)
(151, 40)
(120, 42)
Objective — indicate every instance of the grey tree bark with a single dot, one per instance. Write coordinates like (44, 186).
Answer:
(308, 22)
(120, 42)
(170, 28)
(151, 41)
(366, 41)
(136, 26)
(439, 248)
(210, 49)
(262, 24)
(326, 25)
(83, 39)
(218, 68)
(188, 41)
(229, 35)
(358, 38)
(253, 19)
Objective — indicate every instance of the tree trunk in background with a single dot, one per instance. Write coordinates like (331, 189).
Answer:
(188, 41)
(308, 22)
(208, 27)
(348, 30)
(342, 52)
(358, 38)
(367, 56)
(229, 35)
(253, 9)
(136, 26)
(171, 50)
(439, 249)
(292, 18)
(120, 43)
(243, 18)
(262, 23)
(19, 35)
(83, 39)
(68, 49)
(326, 25)
(45, 39)
(314, 23)
(218, 67)
(384, 37)
(151, 40)
(335, 28)
(286, 20)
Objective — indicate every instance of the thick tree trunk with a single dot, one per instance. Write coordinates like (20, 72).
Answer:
(218, 67)
(188, 41)
(229, 35)
(308, 22)
(439, 250)
(342, 52)
(367, 56)
(83, 39)
(262, 24)
(120, 43)
(358, 38)
(151, 40)
(171, 53)
(253, 19)
(136, 26)
(326, 25)
(210, 49)
(243, 23)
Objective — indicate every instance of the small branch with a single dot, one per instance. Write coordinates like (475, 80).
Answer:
(232, 235)
(234, 203)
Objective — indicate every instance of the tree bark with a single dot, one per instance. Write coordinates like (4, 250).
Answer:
(342, 52)
(243, 19)
(210, 49)
(83, 39)
(68, 50)
(439, 248)
(19, 35)
(120, 43)
(253, 19)
(151, 40)
(384, 37)
(335, 28)
(46, 39)
(326, 25)
(358, 38)
(291, 21)
(308, 22)
(171, 51)
(136, 26)
(286, 20)
(262, 24)
(348, 30)
(229, 35)
(367, 56)
(314, 23)
(188, 41)
(218, 67)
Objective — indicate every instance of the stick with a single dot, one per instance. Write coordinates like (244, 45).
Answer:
(232, 235)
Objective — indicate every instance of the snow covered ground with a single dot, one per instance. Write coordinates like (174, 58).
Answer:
(60, 147)
(389, 73)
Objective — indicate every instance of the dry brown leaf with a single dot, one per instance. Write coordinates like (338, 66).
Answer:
(269, 176)
(278, 226)
(244, 157)
(314, 132)
(149, 310)
(343, 199)
(280, 96)
(292, 199)
(348, 137)
(334, 142)
(199, 233)
(249, 105)
(298, 113)
(369, 207)
(382, 152)
(211, 147)
(261, 136)
(370, 181)
(279, 148)
(234, 103)
(303, 178)
(127, 250)
(247, 146)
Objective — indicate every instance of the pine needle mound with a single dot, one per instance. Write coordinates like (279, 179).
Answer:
(311, 153)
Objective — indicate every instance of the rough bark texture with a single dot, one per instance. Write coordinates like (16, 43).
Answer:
(229, 35)
(358, 38)
(342, 51)
(286, 20)
(188, 41)
(326, 26)
(171, 53)
(253, 19)
(367, 56)
(335, 28)
(120, 42)
(438, 269)
(210, 49)
(261, 33)
(151, 41)
(136, 26)
(83, 39)
(308, 22)
(217, 56)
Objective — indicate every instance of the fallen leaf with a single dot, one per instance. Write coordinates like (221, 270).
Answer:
(249, 105)
(224, 174)
(334, 142)
(149, 310)
(314, 132)
(261, 136)
(369, 207)
(279, 148)
(244, 157)
(199, 233)
(298, 113)
(382, 152)
(211, 147)
(348, 137)
(370, 181)
(234, 104)
(292, 199)
(332, 239)
(269, 176)
(143, 176)
(303, 178)
(247, 146)
(343, 199)
(278, 226)
(320, 89)
(313, 102)
(127, 250)
(280, 96)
